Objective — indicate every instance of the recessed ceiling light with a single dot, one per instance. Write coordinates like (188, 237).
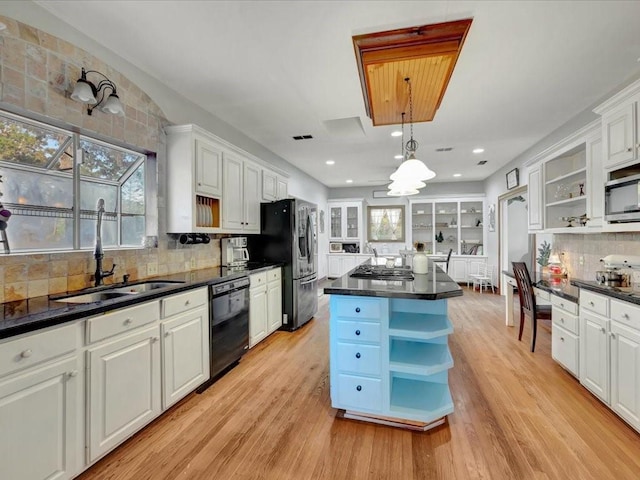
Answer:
(478, 150)
(349, 181)
(330, 162)
(398, 157)
(397, 133)
(457, 174)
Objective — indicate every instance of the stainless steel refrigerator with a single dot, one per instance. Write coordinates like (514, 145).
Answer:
(288, 235)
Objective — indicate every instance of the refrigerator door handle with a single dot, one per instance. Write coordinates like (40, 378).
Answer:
(309, 281)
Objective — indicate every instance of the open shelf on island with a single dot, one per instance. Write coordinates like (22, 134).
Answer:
(421, 358)
(420, 399)
(422, 326)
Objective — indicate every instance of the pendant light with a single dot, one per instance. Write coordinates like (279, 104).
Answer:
(405, 186)
(412, 168)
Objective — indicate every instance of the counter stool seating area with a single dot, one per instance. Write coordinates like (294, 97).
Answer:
(528, 306)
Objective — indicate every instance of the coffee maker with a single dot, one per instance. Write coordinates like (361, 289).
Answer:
(234, 252)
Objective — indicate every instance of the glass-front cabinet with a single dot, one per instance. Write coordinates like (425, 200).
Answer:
(444, 224)
(346, 222)
(335, 228)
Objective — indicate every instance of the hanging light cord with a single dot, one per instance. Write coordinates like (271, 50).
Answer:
(402, 139)
(412, 145)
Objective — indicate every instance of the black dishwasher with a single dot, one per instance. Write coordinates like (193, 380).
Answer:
(229, 325)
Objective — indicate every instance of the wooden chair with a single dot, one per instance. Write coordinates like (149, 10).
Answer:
(446, 262)
(528, 305)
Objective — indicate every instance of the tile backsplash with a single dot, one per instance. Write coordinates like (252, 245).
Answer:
(592, 248)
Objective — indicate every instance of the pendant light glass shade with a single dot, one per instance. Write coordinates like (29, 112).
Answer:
(83, 93)
(113, 105)
(400, 188)
(413, 169)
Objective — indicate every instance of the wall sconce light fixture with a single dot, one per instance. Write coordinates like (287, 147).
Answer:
(96, 95)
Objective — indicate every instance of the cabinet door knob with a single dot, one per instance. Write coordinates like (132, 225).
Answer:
(72, 373)
(358, 355)
(630, 149)
(625, 316)
(154, 339)
(562, 319)
(613, 335)
(127, 321)
(359, 387)
(26, 353)
(166, 334)
(603, 330)
(357, 309)
(357, 332)
(591, 303)
(188, 302)
(562, 339)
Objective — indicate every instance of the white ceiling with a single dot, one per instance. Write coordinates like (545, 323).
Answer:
(278, 69)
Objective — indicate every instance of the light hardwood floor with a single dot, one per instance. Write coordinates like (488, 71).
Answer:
(517, 415)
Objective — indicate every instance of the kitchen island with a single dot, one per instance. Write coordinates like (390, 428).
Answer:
(389, 354)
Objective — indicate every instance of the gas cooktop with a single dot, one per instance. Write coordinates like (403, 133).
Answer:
(380, 272)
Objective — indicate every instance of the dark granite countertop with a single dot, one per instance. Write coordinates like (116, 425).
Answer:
(434, 285)
(23, 316)
(627, 294)
(560, 286)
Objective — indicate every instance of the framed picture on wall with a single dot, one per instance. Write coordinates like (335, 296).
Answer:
(513, 179)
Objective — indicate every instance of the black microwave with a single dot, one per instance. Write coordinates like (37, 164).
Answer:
(622, 196)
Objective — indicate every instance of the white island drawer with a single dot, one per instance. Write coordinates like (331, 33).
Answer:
(360, 331)
(358, 358)
(595, 303)
(563, 319)
(626, 313)
(359, 393)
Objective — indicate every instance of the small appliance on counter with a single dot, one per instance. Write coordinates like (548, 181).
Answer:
(234, 252)
(335, 247)
(611, 275)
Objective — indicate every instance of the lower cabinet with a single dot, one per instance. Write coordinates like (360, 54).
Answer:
(124, 389)
(265, 304)
(41, 444)
(565, 334)
(340, 263)
(41, 404)
(460, 267)
(390, 357)
(610, 353)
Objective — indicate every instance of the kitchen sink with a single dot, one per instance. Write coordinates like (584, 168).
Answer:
(118, 291)
(92, 297)
(144, 287)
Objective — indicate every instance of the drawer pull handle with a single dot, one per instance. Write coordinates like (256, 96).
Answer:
(166, 334)
(562, 319)
(26, 353)
(359, 388)
(154, 339)
(357, 332)
(357, 309)
(603, 330)
(613, 335)
(562, 304)
(72, 373)
(562, 339)
(188, 302)
(358, 355)
(629, 149)
(591, 303)
(128, 321)
(625, 316)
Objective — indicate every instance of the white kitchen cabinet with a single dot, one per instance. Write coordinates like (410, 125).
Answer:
(346, 222)
(274, 186)
(594, 353)
(535, 198)
(565, 347)
(339, 264)
(625, 372)
(258, 327)
(41, 407)
(124, 388)
(241, 198)
(457, 269)
(620, 127)
(595, 182)
(274, 300)
(185, 344)
(194, 186)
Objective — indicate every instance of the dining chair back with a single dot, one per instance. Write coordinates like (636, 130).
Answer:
(528, 306)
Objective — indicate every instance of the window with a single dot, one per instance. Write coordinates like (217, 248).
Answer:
(385, 223)
(52, 180)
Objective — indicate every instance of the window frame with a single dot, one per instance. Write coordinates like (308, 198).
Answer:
(76, 213)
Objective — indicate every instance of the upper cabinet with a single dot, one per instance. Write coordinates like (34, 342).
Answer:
(566, 187)
(346, 221)
(620, 128)
(274, 186)
(213, 186)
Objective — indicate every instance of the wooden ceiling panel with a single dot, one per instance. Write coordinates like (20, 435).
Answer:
(426, 55)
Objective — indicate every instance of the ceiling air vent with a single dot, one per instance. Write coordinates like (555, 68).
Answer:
(444, 149)
(482, 162)
(303, 137)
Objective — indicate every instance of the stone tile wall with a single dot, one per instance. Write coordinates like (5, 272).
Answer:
(37, 74)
